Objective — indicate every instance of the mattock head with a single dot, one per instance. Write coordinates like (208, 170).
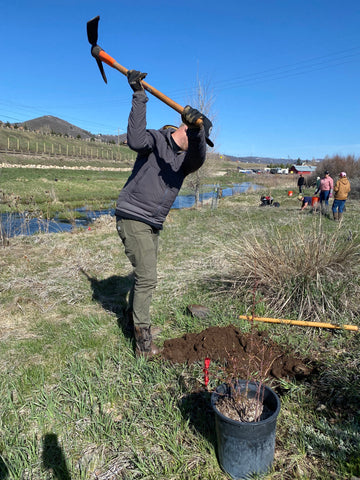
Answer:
(92, 33)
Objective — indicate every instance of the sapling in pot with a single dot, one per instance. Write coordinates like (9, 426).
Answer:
(236, 400)
(245, 422)
(239, 405)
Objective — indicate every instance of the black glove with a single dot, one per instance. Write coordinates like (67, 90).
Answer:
(190, 115)
(134, 79)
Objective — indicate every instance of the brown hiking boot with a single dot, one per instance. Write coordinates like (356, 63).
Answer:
(144, 345)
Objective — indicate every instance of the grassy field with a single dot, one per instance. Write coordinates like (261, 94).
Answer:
(52, 191)
(54, 185)
(62, 150)
(75, 402)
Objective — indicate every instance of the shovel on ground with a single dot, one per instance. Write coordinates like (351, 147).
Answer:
(101, 56)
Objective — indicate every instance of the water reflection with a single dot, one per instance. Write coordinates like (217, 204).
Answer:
(187, 201)
(13, 224)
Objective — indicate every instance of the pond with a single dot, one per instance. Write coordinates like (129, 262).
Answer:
(13, 224)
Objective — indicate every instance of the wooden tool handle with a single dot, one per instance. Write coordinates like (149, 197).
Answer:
(104, 57)
(301, 323)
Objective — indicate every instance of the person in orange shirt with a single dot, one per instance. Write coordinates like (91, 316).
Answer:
(341, 191)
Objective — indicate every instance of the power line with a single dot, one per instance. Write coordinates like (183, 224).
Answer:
(295, 69)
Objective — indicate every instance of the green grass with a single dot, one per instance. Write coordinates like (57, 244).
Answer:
(76, 403)
(52, 191)
(59, 150)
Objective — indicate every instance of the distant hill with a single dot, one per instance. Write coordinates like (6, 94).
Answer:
(268, 160)
(50, 124)
(264, 160)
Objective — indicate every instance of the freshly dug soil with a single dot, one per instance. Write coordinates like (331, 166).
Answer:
(248, 352)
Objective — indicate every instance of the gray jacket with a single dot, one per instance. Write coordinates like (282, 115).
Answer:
(159, 169)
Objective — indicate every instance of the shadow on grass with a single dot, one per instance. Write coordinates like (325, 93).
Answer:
(53, 458)
(111, 293)
(196, 408)
(4, 472)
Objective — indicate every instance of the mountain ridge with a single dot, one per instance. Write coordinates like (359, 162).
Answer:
(49, 124)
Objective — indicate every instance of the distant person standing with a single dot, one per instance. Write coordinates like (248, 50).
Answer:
(326, 187)
(301, 182)
(341, 192)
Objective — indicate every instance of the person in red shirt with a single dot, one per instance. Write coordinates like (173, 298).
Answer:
(326, 188)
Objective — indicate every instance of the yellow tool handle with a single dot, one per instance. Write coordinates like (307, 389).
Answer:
(300, 323)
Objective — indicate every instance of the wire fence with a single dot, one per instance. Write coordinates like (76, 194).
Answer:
(78, 151)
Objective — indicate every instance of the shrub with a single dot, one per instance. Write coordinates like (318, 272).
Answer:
(355, 188)
(309, 274)
(337, 164)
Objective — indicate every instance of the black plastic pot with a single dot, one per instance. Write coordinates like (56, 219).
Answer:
(246, 448)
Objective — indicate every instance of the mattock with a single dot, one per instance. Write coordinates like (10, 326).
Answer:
(101, 56)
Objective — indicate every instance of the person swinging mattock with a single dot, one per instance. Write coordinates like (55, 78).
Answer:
(165, 157)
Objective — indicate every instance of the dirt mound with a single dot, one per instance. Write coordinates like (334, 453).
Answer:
(252, 352)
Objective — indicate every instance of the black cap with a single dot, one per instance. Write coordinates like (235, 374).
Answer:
(207, 127)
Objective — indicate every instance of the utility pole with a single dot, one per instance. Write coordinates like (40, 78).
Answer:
(119, 129)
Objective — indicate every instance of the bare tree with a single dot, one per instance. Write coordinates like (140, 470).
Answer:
(350, 164)
(203, 99)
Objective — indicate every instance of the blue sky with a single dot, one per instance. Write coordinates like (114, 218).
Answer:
(284, 74)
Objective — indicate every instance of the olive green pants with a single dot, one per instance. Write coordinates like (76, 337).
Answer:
(141, 247)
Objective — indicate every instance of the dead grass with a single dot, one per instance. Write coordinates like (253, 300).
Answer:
(41, 276)
(277, 181)
(301, 271)
(54, 327)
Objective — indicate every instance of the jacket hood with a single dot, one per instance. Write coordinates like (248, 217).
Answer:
(344, 180)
